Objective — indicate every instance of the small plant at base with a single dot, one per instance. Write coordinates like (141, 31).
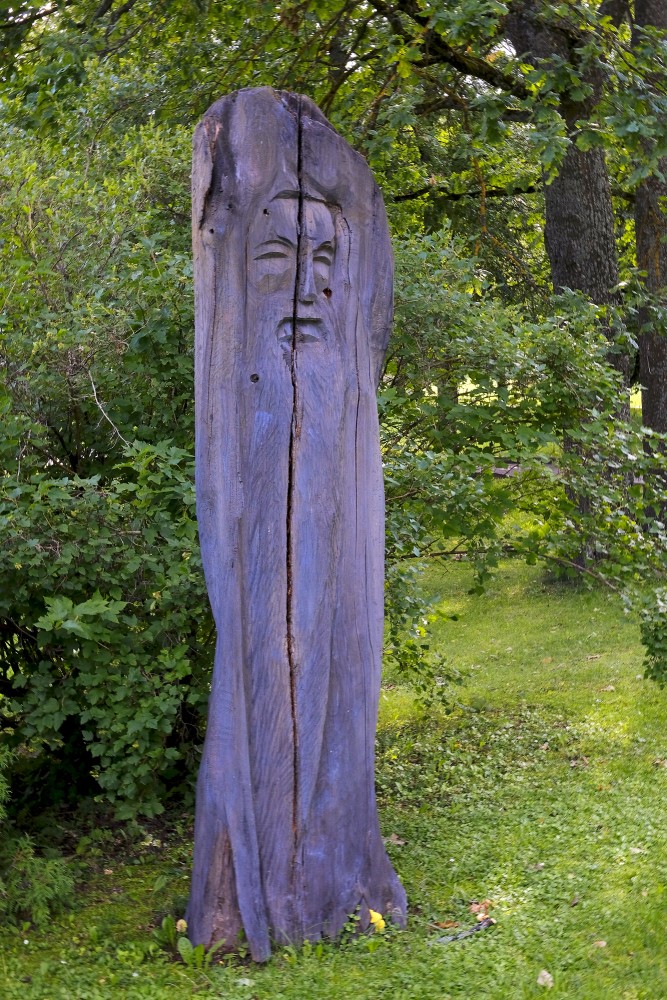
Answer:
(197, 957)
(315, 948)
(309, 949)
(166, 934)
(171, 936)
(350, 929)
(377, 933)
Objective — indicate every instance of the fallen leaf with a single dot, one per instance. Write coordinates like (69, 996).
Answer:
(108, 871)
(548, 659)
(538, 867)
(544, 746)
(637, 850)
(393, 838)
(594, 656)
(609, 687)
(545, 979)
(446, 924)
(599, 944)
(482, 908)
(574, 901)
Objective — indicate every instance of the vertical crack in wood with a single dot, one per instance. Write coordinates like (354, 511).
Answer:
(294, 432)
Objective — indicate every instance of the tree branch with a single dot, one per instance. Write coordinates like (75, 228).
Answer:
(440, 51)
(442, 191)
(449, 102)
(105, 414)
(124, 9)
(446, 195)
(103, 9)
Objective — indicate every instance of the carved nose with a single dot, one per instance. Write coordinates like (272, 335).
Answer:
(307, 290)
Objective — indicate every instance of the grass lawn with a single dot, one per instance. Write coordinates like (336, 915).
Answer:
(545, 794)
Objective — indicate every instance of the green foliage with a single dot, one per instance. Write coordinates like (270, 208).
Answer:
(106, 628)
(475, 389)
(131, 672)
(166, 934)
(654, 635)
(96, 329)
(171, 937)
(32, 888)
(197, 957)
(5, 759)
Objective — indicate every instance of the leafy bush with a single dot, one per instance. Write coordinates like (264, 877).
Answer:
(114, 634)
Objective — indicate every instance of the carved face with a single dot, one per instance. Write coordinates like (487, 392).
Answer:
(273, 245)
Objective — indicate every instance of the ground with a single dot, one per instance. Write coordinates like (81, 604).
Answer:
(540, 801)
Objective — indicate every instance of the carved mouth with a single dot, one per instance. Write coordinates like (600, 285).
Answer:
(309, 329)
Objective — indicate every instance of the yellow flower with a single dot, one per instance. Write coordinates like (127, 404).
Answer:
(376, 919)
(181, 926)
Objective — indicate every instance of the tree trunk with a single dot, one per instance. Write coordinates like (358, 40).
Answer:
(579, 219)
(579, 227)
(651, 236)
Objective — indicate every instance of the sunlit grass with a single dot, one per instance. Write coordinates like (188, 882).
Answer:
(546, 793)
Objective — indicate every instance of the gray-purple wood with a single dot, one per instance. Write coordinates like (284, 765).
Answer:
(293, 303)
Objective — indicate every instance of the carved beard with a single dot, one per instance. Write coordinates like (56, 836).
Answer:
(303, 388)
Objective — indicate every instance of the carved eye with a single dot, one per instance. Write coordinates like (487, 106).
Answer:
(273, 255)
(324, 255)
(273, 250)
(273, 265)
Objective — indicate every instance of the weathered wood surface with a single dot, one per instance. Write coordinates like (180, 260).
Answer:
(293, 301)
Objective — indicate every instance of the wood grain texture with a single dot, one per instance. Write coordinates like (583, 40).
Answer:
(293, 303)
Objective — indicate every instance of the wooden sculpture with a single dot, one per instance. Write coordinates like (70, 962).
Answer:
(293, 302)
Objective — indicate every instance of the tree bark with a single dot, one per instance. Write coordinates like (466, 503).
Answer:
(651, 237)
(579, 225)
